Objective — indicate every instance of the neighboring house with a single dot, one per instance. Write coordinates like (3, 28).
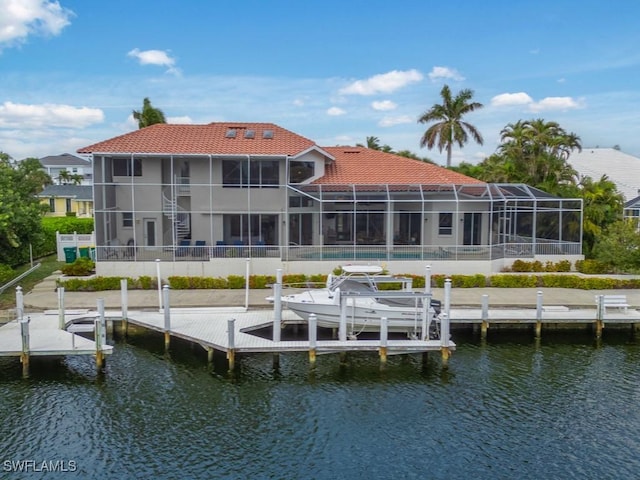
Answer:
(54, 164)
(621, 168)
(68, 200)
(203, 199)
(632, 210)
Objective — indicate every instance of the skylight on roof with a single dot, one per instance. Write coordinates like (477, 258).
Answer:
(249, 133)
(231, 133)
(267, 134)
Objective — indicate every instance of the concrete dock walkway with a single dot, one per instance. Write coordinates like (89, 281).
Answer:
(44, 297)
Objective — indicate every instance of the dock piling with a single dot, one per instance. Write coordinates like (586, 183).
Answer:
(313, 338)
(600, 316)
(231, 343)
(447, 297)
(384, 336)
(124, 300)
(167, 317)
(445, 342)
(277, 306)
(485, 317)
(61, 321)
(103, 323)
(19, 303)
(427, 279)
(24, 356)
(538, 327)
(98, 340)
(342, 331)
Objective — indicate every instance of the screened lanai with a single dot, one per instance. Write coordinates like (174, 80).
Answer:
(444, 221)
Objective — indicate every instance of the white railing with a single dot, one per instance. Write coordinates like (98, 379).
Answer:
(334, 252)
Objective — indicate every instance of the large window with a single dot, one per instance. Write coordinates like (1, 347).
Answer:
(300, 171)
(407, 229)
(254, 173)
(255, 229)
(300, 228)
(125, 167)
(370, 228)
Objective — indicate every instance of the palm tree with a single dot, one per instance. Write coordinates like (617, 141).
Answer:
(449, 127)
(149, 115)
(540, 149)
(64, 177)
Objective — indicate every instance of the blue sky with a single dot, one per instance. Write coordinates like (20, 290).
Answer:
(72, 71)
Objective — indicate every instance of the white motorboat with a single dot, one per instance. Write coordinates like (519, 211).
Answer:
(355, 295)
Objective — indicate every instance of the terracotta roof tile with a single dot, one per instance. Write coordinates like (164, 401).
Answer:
(352, 165)
(205, 139)
(363, 165)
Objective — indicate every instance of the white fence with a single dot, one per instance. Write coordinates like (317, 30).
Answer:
(75, 240)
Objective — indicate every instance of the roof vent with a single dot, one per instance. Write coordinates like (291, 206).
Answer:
(249, 133)
(231, 133)
(268, 134)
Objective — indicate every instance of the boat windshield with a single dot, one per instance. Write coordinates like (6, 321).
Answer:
(353, 286)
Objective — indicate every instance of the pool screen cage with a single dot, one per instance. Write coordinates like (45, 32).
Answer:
(445, 221)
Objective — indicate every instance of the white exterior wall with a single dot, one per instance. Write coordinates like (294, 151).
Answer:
(268, 266)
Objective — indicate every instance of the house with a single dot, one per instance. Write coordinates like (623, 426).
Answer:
(54, 164)
(75, 200)
(632, 210)
(202, 199)
(621, 168)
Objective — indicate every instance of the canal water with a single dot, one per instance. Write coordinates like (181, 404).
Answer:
(511, 408)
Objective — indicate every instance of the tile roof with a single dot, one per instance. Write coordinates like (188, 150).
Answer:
(207, 139)
(363, 165)
(351, 165)
(79, 192)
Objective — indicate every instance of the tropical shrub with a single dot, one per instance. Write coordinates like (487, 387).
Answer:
(235, 281)
(6, 273)
(513, 281)
(81, 267)
(591, 267)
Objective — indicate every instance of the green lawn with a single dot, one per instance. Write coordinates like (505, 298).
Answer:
(48, 265)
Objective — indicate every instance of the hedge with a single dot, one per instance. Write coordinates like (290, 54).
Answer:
(437, 281)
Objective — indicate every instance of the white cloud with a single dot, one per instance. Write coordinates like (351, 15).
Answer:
(556, 103)
(444, 72)
(392, 121)
(509, 99)
(546, 104)
(382, 83)
(336, 111)
(155, 57)
(48, 115)
(384, 105)
(21, 18)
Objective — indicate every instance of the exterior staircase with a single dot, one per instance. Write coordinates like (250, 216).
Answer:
(179, 217)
